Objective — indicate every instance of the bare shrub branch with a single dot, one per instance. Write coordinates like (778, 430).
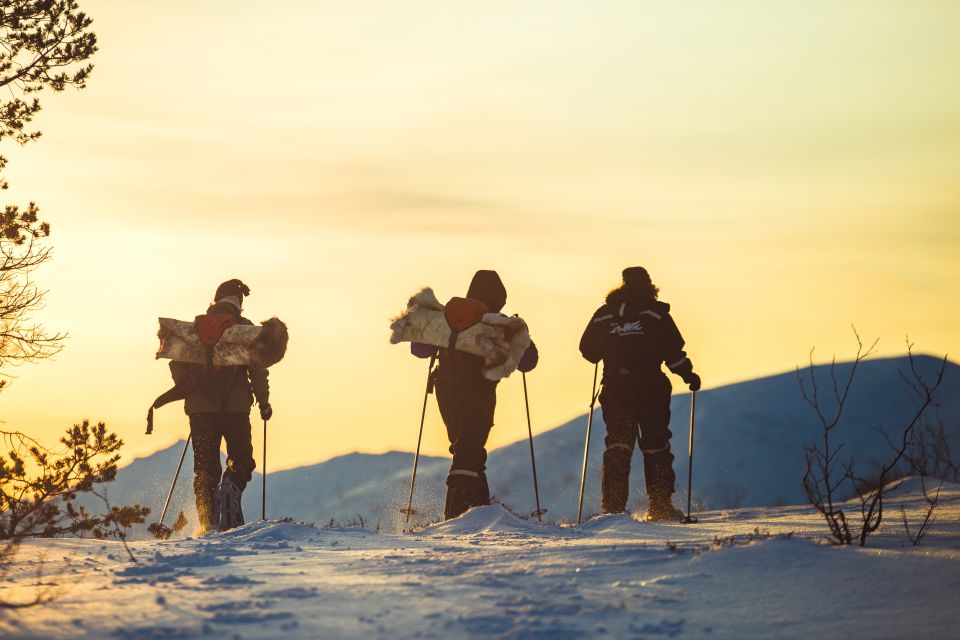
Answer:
(928, 518)
(821, 479)
(825, 472)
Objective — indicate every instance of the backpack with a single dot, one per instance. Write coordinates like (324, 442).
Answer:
(213, 380)
(461, 314)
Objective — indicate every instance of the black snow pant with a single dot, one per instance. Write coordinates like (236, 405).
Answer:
(207, 430)
(638, 408)
(467, 404)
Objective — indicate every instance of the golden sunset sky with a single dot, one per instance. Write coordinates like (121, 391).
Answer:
(783, 170)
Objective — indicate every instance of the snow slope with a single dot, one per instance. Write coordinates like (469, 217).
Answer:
(489, 574)
(749, 452)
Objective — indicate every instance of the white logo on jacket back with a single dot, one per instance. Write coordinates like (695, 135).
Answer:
(627, 328)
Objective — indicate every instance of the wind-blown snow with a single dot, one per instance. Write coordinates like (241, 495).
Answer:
(492, 574)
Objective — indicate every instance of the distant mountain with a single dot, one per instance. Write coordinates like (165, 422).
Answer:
(748, 452)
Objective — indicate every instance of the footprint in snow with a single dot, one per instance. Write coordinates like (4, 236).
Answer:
(224, 617)
(295, 593)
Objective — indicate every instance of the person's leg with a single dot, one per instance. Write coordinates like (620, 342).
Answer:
(655, 445)
(467, 482)
(448, 403)
(205, 435)
(619, 414)
(240, 462)
(236, 430)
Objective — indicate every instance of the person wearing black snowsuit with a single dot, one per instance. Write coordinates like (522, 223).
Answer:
(634, 334)
(218, 405)
(467, 401)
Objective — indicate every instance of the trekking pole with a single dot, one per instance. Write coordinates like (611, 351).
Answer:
(416, 458)
(175, 476)
(263, 497)
(533, 461)
(693, 406)
(586, 446)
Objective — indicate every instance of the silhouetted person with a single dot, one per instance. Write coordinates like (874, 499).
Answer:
(634, 334)
(218, 404)
(467, 401)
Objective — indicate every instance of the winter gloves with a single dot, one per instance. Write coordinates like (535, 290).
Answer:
(529, 360)
(693, 380)
(423, 350)
(266, 411)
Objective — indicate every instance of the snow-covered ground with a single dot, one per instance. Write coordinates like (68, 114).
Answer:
(490, 574)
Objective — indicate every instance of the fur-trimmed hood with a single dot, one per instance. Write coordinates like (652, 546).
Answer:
(635, 298)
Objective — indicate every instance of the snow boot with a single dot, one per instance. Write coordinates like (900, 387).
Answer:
(207, 510)
(661, 508)
(658, 473)
(465, 490)
(615, 478)
(227, 502)
(660, 479)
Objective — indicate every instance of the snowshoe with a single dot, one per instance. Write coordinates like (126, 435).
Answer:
(227, 505)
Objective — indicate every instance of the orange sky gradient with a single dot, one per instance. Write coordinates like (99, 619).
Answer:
(782, 169)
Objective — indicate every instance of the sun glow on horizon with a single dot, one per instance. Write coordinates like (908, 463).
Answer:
(784, 171)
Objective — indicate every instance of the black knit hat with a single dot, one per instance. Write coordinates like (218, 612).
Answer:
(234, 288)
(487, 287)
(637, 276)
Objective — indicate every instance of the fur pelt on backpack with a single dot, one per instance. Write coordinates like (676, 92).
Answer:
(241, 344)
(501, 340)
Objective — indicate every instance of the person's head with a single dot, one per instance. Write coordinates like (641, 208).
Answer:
(487, 287)
(637, 280)
(232, 292)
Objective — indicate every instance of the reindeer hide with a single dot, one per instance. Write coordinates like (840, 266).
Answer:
(241, 344)
(501, 340)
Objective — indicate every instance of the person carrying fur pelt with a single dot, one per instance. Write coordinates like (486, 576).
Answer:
(634, 335)
(218, 400)
(467, 398)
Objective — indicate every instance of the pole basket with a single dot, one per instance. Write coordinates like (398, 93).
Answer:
(408, 512)
(688, 520)
(538, 513)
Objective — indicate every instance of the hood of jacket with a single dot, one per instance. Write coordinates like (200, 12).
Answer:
(636, 299)
(487, 287)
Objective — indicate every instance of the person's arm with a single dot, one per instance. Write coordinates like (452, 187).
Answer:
(180, 372)
(260, 385)
(181, 385)
(591, 342)
(673, 354)
(423, 350)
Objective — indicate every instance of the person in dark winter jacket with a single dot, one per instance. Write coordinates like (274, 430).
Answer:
(218, 404)
(467, 401)
(634, 334)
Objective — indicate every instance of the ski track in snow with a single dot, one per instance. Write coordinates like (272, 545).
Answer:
(491, 574)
